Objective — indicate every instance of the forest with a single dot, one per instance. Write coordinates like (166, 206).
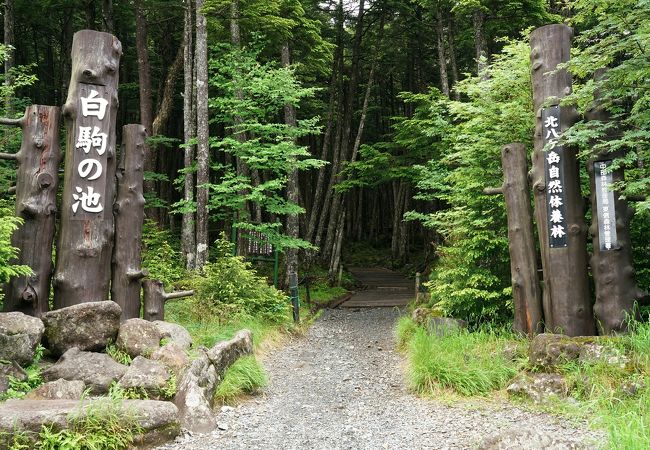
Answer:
(349, 133)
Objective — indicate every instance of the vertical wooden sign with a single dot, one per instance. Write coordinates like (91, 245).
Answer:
(561, 228)
(85, 245)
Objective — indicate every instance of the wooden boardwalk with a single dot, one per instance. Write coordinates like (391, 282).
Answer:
(383, 288)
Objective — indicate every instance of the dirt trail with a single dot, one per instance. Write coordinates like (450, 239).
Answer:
(341, 387)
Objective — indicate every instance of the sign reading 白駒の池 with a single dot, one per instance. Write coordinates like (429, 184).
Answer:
(91, 153)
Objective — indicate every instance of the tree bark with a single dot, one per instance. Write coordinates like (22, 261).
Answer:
(566, 299)
(611, 262)
(452, 55)
(480, 44)
(107, 16)
(442, 60)
(36, 187)
(129, 215)
(146, 103)
(203, 135)
(526, 290)
(188, 238)
(85, 243)
(155, 298)
(9, 20)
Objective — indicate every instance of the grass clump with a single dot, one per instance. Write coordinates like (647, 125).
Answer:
(469, 364)
(17, 388)
(118, 354)
(246, 376)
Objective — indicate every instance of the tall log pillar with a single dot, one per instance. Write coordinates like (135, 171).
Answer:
(526, 291)
(37, 181)
(129, 215)
(85, 246)
(556, 185)
(611, 262)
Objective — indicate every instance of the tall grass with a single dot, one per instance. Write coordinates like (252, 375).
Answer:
(246, 376)
(467, 363)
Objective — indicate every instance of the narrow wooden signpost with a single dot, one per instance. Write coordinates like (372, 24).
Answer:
(155, 298)
(611, 262)
(523, 265)
(37, 181)
(85, 245)
(559, 207)
(129, 215)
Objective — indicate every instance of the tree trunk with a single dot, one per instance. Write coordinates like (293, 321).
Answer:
(129, 215)
(452, 55)
(556, 186)
(442, 60)
(155, 298)
(107, 16)
(611, 262)
(292, 228)
(9, 20)
(85, 243)
(188, 239)
(526, 290)
(480, 44)
(37, 180)
(203, 149)
(146, 103)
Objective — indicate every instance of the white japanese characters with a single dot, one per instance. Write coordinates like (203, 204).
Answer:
(92, 141)
(555, 194)
(605, 205)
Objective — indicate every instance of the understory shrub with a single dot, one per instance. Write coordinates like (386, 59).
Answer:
(229, 288)
(160, 255)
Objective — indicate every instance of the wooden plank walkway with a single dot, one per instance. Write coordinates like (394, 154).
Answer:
(384, 288)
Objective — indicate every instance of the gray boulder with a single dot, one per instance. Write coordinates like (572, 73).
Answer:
(593, 353)
(441, 326)
(58, 390)
(10, 370)
(548, 350)
(19, 336)
(158, 420)
(176, 333)
(86, 326)
(196, 387)
(97, 370)
(138, 337)
(173, 357)
(539, 387)
(146, 375)
(517, 439)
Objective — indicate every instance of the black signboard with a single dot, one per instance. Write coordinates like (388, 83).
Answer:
(554, 167)
(605, 206)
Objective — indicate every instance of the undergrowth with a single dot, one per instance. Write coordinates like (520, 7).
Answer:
(17, 388)
(613, 397)
(245, 377)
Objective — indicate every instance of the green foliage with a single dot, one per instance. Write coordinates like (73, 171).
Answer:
(405, 330)
(118, 354)
(17, 388)
(248, 98)
(8, 224)
(229, 288)
(467, 363)
(246, 376)
(160, 255)
(471, 279)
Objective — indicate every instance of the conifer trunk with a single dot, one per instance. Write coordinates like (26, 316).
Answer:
(188, 238)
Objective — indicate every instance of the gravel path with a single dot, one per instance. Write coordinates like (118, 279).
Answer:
(342, 387)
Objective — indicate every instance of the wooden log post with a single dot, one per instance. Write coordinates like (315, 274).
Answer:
(155, 298)
(526, 290)
(559, 208)
(611, 261)
(37, 178)
(129, 215)
(85, 245)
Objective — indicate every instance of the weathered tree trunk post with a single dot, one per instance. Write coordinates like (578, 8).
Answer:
(556, 186)
(129, 215)
(85, 246)
(526, 291)
(155, 298)
(37, 181)
(611, 262)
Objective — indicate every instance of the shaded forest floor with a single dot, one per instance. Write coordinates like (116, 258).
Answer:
(342, 387)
